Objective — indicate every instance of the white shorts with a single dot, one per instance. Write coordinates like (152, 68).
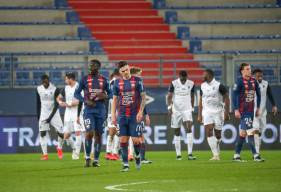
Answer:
(56, 122)
(179, 117)
(259, 123)
(214, 118)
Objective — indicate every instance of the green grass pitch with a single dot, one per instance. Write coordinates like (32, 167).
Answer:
(26, 173)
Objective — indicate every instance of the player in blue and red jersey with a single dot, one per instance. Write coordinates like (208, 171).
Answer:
(245, 90)
(129, 98)
(96, 90)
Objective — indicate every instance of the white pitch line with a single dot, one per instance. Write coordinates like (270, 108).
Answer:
(117, 187)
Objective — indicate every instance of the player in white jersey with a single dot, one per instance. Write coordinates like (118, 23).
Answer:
(213, 110)
(180, 105)
(66, 99)
(259, 122)
(112, 142)
(48, 114)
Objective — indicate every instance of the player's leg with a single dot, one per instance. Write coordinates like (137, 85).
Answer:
(176, 124)
(131, 150)
(109, 144)
(43, 131)
(219, 121)
(79, 130)
(88, 122)
(212, 140)
(68, 130)
(99, 129)
(115, 145)
(251, 142)
(187, 123)
(124, 138)
(259, 124)
(56, 122)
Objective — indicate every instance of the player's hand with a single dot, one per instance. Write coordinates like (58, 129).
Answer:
(62, 104)
(237, 114)
(274, 110)
(199, 118)
(257, 112)
(47, 120)
(147, 120)
(78, 121)
(90, 103)
(226, 116)
(139, 116)
(101, 96)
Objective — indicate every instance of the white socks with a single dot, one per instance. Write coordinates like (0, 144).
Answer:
(60, 142)
(43, 143)
(189, 137)
(213, 143)
(257, 139)
(131, 147)
(70, 142)
(109, 143)
(115, 144)
(78, 144)
(177, 140)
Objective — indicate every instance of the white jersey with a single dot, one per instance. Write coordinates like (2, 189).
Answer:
(70, 112)
(263, 89)
(182, 95)
(212, 99)
(47, 99)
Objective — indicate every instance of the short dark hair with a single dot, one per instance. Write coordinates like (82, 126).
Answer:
(70, 75)
(257, 71)
(135, 70)
(115, 72)
(44, 77)
(210, 72)
(242, 66)
(183, 73)
(122, 64)
(95, 61)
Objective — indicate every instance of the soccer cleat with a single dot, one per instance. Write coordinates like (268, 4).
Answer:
(145, 161)
(191, 157)
(115, 157)
(87, 162)
(138, 163)
(258, 159)
(60, 153)
(75, 156)
(215, 158)
(96, 164)
(237, 159)
(179, 157)
(125, 168)
(45, 157)
(108, 156)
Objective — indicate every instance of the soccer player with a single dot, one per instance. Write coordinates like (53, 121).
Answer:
(70, 115)
(129, 92)
(244, 92)
(213, 110)
(96, 90)
(137, 72)
(48, 114)
(180, 102)
(112, 143)
(259, 123)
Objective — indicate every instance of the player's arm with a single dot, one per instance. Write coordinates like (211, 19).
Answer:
(143, 101)
(114, 103)
(56, 105)
(200, 107)
(147, 118)
(258, 94)
(38, 106)
(77, 93)
(80, 104)
(223, 91)
(60, 98)
(271, 99)
(192, 96)
(236, 92)
(170, 98)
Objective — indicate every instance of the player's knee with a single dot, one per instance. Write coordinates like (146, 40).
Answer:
(243, 134)
(177, 132)
(43, 133)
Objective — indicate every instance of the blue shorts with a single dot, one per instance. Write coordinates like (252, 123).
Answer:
(94, 122)
(246, 121)
(128, 126)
